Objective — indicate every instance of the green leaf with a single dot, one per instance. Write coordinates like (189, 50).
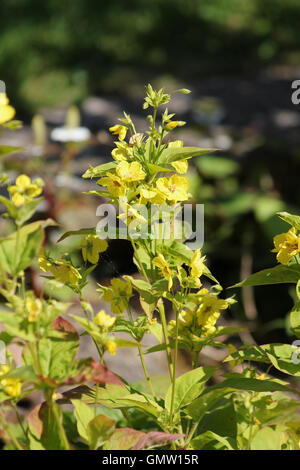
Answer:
(278, 275)
(266, 439)
(83, 231)
(163, 168)
(13, 125)
(27, 210)
(247, 384)
(285, 358)
(7, 149)
(188, 387)
(173, 154)
(156, 329)
(99, 431)
(16, 326)
(207, 437)
(282, 410)
(11, 208)
(99, 170)
(249, 352)
(125, 343)
(83, 414)
(291, 219)
(295, 319)
(221, 420)
(144, 288)
(199, 407)
(26, 373)
(18, 250)
(113, 396)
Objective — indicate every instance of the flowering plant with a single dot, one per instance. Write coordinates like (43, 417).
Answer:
(245, 410)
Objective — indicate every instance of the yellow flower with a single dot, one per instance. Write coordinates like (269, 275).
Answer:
(24, 190)
(131, 213)
(186, 318)
(111, 347)
(104, 320)
(186, 280)
(287, 245)
(172, 124)
(66, 273)
(174, 188)
(175, 144)
(209, 311)
(122, 152)
(7, 112)
(34, 307)
(181, 166)
(163, 266)
(119, 130)
(197, 264)
(118, 294)
(4, 369)
(91, 247)
(154, 196)
(12, 385)
(129, 172)
(114, 184)
(44, 264)
(62, 271)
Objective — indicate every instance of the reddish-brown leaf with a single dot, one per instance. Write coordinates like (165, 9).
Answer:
(156, 438)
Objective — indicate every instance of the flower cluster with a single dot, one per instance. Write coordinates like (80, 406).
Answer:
(25, 190)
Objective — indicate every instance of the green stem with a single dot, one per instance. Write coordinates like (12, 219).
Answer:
(162, 314)
(96, 400)
(147, 376)
(174, 370)
(191, 433)
(139, 260)
(145, 370)
(88, 319)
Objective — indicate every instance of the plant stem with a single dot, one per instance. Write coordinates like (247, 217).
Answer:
(147, 376)
(174, 370)
(139, 260)
(191, 433)
(145, 369)
(88, 318)
(161, 310)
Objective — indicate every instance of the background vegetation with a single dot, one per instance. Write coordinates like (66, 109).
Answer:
(59, 53)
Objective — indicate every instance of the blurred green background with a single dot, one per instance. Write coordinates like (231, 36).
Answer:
(239, 58)
(60, 51)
